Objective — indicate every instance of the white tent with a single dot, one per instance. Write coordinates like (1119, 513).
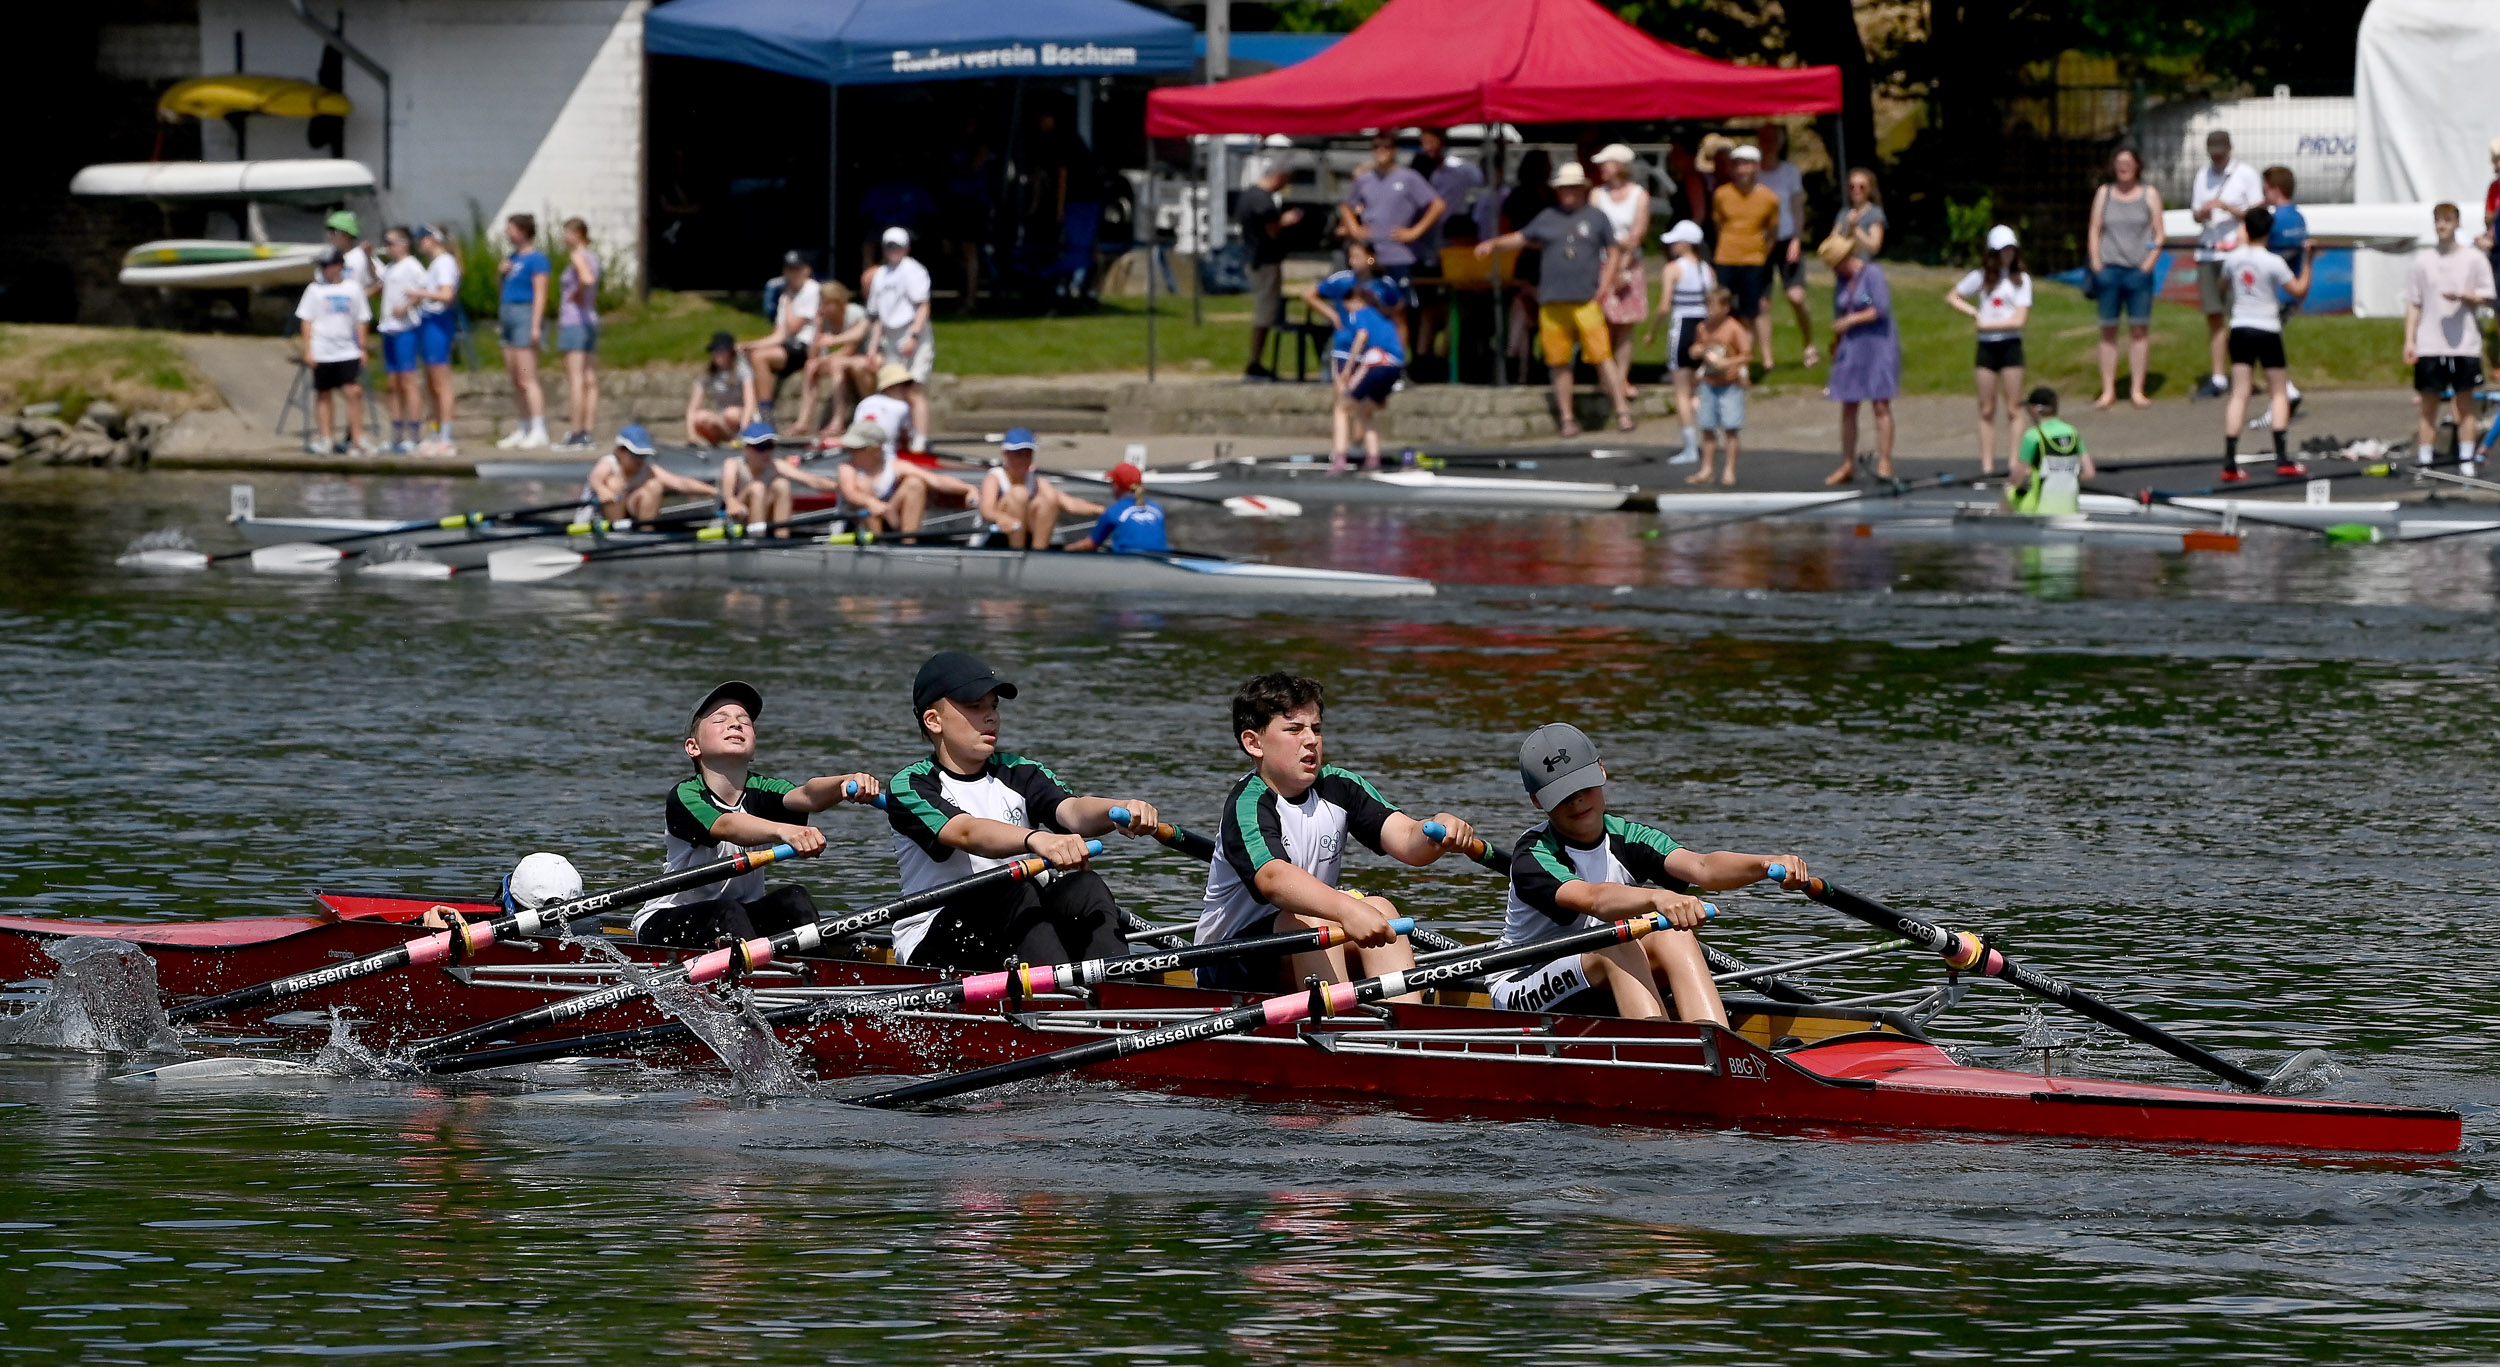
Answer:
(2427, 82)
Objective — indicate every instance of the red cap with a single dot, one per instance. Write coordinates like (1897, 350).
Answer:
(1125, 477)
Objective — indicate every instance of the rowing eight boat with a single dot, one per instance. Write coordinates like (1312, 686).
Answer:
(1780, 1066)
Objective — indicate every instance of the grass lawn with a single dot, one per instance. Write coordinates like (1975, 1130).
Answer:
(2062, 338)
(75, 366)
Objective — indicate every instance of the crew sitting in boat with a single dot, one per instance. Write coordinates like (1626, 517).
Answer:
(1581, 868)
(628, 483)
(725, 809)
(539, 880)
(872, 489)
(1281, 844)
(753, 486)
(2050, 466)
(971, 806)
(1018, 506)
(1131, 525)
(891, 408)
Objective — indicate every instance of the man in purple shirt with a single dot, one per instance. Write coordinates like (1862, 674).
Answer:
(1391, 207)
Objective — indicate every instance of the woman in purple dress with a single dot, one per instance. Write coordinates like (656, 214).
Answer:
(1866, 356)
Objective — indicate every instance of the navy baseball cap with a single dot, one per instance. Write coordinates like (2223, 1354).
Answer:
(636, 438)
(1017, 439)
(736, 690)
(758, 433)
(954, 674)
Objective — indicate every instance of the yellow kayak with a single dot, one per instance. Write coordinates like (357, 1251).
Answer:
(214, 97)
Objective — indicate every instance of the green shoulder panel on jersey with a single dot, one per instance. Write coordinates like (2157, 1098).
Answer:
(1246, 823)
(775, 786)
(697, 801)
(1547, 851)
(906, 798)
(1642, 835)
(1013, 761)
(1359, 781)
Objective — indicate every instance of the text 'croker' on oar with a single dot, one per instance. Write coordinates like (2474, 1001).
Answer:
(979, 990)
(170, 559)
(1290, 1008)
(746, 956)
(1965, 952)
(460, 941)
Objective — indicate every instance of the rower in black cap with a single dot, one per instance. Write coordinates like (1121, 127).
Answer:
(723, 810)
(972, 806)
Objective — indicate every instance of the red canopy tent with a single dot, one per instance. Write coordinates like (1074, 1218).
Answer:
(1440, 62)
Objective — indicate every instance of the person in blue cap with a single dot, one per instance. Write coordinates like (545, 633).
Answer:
(1019, 506)
(627, 483)
(753, 486)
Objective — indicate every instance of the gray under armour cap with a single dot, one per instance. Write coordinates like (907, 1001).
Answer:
(1556, 761)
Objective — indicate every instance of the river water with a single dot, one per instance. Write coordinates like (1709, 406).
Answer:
(2247, 794)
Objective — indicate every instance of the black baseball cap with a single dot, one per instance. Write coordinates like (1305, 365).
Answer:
(954, 674)
(737, 691)
(2042, 397)
(722, 341)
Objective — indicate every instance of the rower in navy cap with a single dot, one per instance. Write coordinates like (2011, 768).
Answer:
(628, 483)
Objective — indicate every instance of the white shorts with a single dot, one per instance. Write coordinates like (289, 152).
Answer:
(1541, 988)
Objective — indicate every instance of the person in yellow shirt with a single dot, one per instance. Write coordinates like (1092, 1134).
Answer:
(1747, 214)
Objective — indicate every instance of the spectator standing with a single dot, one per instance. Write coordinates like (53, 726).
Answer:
(521, 321)
(333, 311)
(1862, 218)
(1692, 188)
(784, 351)
(899, 331)
(1575, 269)
(2122, 244)
(401, 329)
(577, 336)
(1748, 215)
(2258, 279)
(2443, 342)
(355, 263)
(2225, 190)
(2002, 291)
(1866, 357)
(1684, 290)
(1460, 187)
(1390, 208)
(1529, 198)
(1722, 347)
(1788, 264)
(723, 401)
(964, 208)
(1264, 219)
(2289, 240)
(438, 325)
(1625, 203)
(1374, 362)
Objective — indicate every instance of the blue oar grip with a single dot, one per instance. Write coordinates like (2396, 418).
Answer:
(1092, 848)
(850, 788)
(1401, 925)
(1119, 816)
(1777, 873)
(1434, 830)
(1710, 911)
(781, 852)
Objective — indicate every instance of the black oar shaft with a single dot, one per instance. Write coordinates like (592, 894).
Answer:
(1968, 953)
(459, 941)
(1292, 1007)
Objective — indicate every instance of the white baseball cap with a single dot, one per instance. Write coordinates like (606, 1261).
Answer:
(2000, 237)
(897, 237)
(1613, 151)
(1747, 152)
(1685, 230)
(543, 879)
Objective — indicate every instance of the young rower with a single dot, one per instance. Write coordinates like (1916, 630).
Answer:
(1581, 867)
(1281, 843)
(753, 486)
(1018, 504)
(2047, 473)
(540, 879)
(971, 806)
(725, 809)
(1131, 525)
(869, 481)
(628, 483)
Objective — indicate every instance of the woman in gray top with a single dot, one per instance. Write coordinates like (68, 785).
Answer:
(1862, 219)
(2123, 242)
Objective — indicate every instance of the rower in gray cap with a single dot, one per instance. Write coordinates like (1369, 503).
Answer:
(1582, 867)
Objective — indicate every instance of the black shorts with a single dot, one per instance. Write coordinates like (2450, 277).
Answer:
(1073, 919)
(2447, 375)
(794, 356)
(2003, 354)
(700, 925)
(2257, 347)
(329, 375)
(1792, 274)
(1264, 973)
(1686, 333)
(1748, 284)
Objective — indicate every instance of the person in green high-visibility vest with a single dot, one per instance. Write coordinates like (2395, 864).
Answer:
(2051, 465)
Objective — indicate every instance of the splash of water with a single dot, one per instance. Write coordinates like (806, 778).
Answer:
(162, 539)
(103, 1000)
(345, 1057)
(757, 1063)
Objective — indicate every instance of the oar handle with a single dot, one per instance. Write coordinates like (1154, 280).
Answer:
(1777, 873)
(1476, 849)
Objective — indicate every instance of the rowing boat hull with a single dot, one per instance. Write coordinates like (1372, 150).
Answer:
(1874, 1074)
(1312, 483)
(984, 573)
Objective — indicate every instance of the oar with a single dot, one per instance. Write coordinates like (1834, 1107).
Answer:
(979, 990)
(1968, 953)
(537, 564)
(743, 957)
(1777, 989)
(1336, 999)
(460, 941)
(1255, 505)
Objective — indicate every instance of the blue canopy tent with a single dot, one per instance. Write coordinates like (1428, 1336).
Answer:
(884, 42)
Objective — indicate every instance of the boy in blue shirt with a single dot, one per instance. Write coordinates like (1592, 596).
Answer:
(2289, 240)
(1130, 525)
(1375, 362)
